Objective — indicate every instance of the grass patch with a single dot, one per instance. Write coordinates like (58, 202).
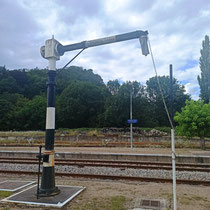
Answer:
(117, 203)
(4, 194)
(164, 129)
(146, 129)
(206, 206)
(187, 199)
(22, 133)
(112, 203)
(168, 196)
(199, 198)
(93, 133)
(77, 129)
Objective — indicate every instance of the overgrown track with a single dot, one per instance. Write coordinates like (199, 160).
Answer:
(108, 177)
(115, 164)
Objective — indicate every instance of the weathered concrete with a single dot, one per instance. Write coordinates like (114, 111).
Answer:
(14, 185)
(28, 197)
(112, 156)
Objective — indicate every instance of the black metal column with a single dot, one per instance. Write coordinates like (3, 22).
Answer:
(48, 187)
(171, 92)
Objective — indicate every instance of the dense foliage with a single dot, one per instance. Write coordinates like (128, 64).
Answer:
(83, 100)
(155, 98)
(204, 79)
(194, 120)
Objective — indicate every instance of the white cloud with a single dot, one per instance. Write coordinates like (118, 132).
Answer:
(193, 90)
(190, 75)
(176, 30)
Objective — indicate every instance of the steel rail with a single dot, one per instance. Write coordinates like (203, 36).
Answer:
(116, 165)
(200, 165)
(113, 177)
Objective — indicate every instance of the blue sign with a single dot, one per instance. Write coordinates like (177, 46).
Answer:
(132, 121)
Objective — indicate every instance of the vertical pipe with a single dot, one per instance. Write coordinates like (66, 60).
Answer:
(40, 157)
(131, 116)
(173, 167)
(171, 96)
(172, 137)
(48, 174)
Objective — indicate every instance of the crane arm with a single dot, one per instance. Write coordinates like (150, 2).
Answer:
(142, 35)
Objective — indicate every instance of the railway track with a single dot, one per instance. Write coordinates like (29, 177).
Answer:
(115, 164)
(111, 177)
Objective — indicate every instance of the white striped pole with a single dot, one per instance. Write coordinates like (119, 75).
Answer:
(48, 187)
(173, 168)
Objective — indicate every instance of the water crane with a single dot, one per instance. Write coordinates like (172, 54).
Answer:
(52, 50)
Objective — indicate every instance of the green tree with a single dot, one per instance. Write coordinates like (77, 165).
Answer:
(3, 72)
(26, 82)
(155, 98)
(36, 83)
(8, 103)
(30, 114)
(204, 79)
(24, 111)
(5, 107)
(113, 86)
(81, 105)
(75, 73)
(20, 77)
(7, 83)
(194, 120)
(117, 107)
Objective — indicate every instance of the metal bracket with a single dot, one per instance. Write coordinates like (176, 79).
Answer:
(39, 156)
(45, 158)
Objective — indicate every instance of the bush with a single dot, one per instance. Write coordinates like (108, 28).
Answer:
(164, 129)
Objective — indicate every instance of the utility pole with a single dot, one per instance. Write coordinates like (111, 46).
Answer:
(172, 137)
(52, 52)
(131, 117)
(171, 96)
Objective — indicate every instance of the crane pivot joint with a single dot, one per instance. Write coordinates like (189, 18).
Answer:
(50, 49)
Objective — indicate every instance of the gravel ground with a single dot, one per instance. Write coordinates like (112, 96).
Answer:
(204, 176)
(99, 194)
(165, 151)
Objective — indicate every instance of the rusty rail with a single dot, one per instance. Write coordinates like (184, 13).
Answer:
(200, 165)
(111, 177)
(115, 164)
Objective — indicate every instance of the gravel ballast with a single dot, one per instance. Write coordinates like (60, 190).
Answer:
(186, 175)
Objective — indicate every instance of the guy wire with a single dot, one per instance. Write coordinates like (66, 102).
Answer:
(161, 92)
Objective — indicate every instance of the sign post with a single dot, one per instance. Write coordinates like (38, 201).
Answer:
(131, 121)
(131, 116)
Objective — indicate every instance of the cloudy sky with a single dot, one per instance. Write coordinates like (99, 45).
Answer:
(176, 30)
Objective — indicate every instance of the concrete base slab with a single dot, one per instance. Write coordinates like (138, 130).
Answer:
(29, 197)
(14, 185)
(151, 204)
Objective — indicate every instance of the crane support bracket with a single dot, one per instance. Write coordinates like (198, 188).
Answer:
(141, 35)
